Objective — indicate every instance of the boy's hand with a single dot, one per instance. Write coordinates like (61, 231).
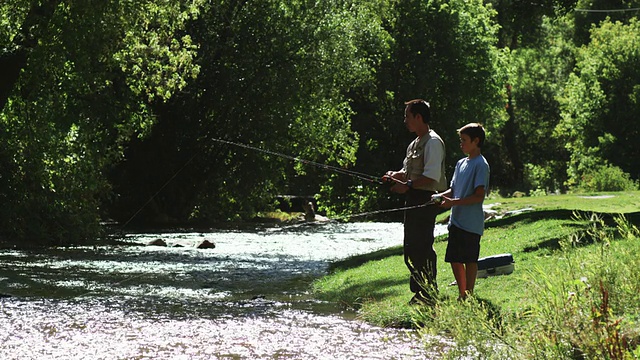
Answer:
(445, 202)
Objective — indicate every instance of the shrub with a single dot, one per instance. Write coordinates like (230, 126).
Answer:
(607, 178)
(541, 180)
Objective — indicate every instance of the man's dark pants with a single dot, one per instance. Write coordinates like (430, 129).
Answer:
(419, 254)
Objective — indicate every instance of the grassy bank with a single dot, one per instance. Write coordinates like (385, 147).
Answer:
(574, 293)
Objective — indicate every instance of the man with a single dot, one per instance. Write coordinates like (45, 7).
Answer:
(421, 176)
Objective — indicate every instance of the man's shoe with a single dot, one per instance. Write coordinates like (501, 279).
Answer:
(421, 299)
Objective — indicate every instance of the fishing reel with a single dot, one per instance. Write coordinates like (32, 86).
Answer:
(387, 181)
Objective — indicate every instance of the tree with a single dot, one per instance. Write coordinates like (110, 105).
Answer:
(274, 75)
(521, 22)
(591, 13)
(523, 25)
(81, 80)
(442, 51)
(18, 42)
(601, 103)
(538, 75)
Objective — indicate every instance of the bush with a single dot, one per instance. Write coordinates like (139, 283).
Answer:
(540, 180)
(607, 178)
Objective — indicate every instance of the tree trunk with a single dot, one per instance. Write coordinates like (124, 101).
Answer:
(510, 138)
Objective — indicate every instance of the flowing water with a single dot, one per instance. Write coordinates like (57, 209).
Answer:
(246, 299)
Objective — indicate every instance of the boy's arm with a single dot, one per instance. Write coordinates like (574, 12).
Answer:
(446, 193)
(476, 197)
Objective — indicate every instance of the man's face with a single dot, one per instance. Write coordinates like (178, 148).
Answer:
(410, 120)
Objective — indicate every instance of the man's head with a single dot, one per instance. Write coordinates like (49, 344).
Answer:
(419, 107)
(473, 131)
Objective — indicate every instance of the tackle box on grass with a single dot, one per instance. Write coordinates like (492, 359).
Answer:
(501, 264)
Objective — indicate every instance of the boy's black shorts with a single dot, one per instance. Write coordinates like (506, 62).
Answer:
(462, 247)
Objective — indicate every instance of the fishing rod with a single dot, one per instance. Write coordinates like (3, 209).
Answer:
(355, 174)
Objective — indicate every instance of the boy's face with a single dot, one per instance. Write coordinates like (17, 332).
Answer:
(467, 145)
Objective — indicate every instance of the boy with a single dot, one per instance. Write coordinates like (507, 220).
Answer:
(464, 197)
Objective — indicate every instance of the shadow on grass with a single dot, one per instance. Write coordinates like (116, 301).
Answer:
(357, 293)
(581, 230)
(375, 289)
(532, 216)
(559, 214)
(358, 260)
(523, 218)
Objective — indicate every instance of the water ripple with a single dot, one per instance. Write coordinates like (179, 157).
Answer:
(246, 299)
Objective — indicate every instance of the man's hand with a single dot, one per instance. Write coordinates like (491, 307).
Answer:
(400, 188)
(394, 175)
(398, 179)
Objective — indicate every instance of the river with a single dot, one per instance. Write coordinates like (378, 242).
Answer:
(246, 299)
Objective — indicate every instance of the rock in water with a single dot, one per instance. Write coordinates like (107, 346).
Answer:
(157, 242)
(205, 244)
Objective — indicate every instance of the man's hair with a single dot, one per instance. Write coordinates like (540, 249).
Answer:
(474, 131)
(419, 106)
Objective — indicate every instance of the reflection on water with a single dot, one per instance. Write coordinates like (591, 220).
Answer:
(245, 299)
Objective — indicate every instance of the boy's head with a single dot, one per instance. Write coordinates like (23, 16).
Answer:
(473, 131)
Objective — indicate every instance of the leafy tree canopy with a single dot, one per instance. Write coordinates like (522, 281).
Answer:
(81, 74)
(273, 75)
(601, 102)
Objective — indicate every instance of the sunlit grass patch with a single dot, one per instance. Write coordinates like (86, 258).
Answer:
(583, 303)
(575, 291)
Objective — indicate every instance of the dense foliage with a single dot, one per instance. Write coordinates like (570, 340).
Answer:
(601, 103)
(443, 51)
(83, 73)
(117, 109)
(276, 82)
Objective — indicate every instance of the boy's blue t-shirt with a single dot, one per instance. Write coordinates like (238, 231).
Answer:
(468, 175)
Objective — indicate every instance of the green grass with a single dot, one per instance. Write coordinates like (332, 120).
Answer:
(558, 247)
(607, 202)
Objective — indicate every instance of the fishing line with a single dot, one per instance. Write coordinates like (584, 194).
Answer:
(355, 174)
(344, 217)
(157, 192)
(605, 10)
(428, 203)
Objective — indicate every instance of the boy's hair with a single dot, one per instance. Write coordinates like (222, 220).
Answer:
(474, 131)
(419, 106)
